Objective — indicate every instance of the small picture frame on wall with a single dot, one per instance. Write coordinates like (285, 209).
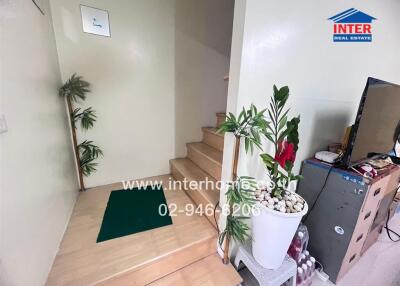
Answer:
(95, 21)
(39, 5)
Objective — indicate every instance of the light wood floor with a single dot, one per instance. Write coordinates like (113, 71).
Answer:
(136, 259)
(209, 271)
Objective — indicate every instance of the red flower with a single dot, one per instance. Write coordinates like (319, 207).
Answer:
(285, 153)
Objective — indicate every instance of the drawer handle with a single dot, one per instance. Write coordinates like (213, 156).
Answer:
(377, 191)
(352, 258)
(339, 230)
(359, 238)
(367, 215)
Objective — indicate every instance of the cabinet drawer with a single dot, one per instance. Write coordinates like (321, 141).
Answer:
(371, 238)
(394, 181)
(350, 260)
(375, 193)
(354, 251)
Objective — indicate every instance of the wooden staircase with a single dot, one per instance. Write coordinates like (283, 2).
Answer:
(183, 253)
(202, 164)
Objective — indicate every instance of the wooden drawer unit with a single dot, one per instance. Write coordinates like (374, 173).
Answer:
(394, 181)
(340, 223)
(371, 238)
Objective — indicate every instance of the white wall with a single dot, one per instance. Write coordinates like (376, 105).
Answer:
(38, 185)
(156, 80)
(203, 32)
(291, 44)
(132, 77)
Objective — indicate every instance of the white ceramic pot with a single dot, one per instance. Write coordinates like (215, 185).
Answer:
(272, 233)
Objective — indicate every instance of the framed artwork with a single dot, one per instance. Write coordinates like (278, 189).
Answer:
(39, 5)
(95, 21)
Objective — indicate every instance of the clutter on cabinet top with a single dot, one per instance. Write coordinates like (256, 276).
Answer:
(327, 156)
(367, 171)
(335, 148)
(380, 163)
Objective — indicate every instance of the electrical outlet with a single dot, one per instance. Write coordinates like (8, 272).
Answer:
(3, 123)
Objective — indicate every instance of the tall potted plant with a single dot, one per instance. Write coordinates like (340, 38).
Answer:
(281, 209)
(247, 127)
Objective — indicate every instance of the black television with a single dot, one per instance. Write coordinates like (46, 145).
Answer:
(377, 122)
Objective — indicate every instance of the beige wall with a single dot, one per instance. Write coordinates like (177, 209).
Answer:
(132, 74)
(203, 32)
(38, 185)
(156, 80)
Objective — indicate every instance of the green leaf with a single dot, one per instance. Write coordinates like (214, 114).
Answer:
(75, 88)
(285, 113)
(232, 116)
(288, 166)
(88, 153)
(282, 123)
(221, 237)
(242, 115)
(272, 118)
(293, 134)
(88, 118)
(283, 93)
(276, 92)
(269, 137)
(268, 161)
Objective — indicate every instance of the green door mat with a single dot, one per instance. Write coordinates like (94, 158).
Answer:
(132, 211)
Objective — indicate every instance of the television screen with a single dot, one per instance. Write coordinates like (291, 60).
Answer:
(377, 122)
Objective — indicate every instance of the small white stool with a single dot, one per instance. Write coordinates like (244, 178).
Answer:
(266, 277)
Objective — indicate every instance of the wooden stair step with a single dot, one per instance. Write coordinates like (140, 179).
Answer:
(208, 271)
(204, 195)
(212, 138)
(221, 116)
(137, 259)
(187, 169)
(206, 157)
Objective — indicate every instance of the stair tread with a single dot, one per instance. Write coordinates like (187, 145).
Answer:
(208, 271)
(141, 257)
(193, 173)
(210, 152)
(212, 130)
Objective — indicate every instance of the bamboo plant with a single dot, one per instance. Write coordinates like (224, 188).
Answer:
(86, 152)
(247, 126)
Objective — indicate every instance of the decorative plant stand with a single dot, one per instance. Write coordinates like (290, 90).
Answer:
(266, 277)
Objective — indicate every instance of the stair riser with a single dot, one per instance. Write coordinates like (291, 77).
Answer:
(213, 140)
(220, 119)
(164, 266)
(208, 165)
(195, 195)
